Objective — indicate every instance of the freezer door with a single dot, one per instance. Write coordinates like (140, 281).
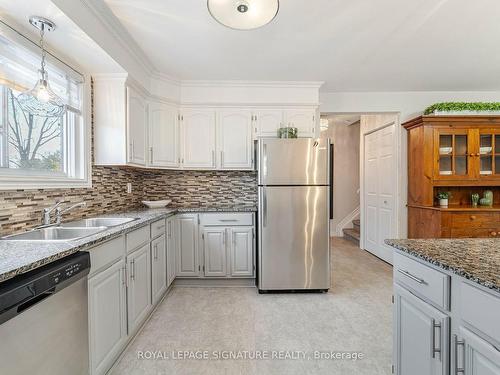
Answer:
(294, 238)
(301, 161)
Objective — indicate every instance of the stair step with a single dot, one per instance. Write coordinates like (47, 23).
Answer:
(356, 224)
(351, 235)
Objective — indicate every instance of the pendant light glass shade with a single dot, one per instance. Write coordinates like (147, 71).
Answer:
(41, 100)
(243, 15)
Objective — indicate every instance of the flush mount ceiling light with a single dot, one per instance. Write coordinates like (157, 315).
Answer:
(243, 14)
(41, 100)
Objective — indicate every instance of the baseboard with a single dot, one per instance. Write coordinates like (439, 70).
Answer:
(346, 222)
(210, 283)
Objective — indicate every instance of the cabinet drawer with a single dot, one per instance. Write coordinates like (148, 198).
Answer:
(480, 309)
(158, 228)
(425, 281)
(137, 237)
(227, 219)
(106, 254)
(474, 233)
(475, 220)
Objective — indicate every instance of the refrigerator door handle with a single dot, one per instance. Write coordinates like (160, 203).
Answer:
(264, 208)
(264, 162)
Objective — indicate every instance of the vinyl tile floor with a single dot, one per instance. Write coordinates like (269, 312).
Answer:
(354, 317)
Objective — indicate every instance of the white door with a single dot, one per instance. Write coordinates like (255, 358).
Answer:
(186, 237)
(158, 268)
(163, 136)
(107, 317)
(421, 336)
(214, 251)
(241, 251)
(198, 139)
(267, 122)
(171, 250)
(234, 140)
(139, 286)
(136, 122)
(380, 190)
(302, 119)
(475, 355)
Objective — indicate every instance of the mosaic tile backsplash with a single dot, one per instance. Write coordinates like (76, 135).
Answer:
(22, 209)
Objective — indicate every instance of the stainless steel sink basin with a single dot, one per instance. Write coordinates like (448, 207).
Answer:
(55, 234)
(99, 222)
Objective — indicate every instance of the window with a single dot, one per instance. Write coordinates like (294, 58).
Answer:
(39, 152)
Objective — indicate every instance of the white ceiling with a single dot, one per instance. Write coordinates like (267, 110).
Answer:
(352, 45)
(71, 43)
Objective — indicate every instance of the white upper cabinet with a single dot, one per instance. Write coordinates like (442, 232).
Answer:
(302, 119)
(198, 139)
(163, 135)
(136, 124)
(234, 140)
(267, 122)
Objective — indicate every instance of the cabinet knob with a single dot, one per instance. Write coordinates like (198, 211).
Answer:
(494, 234)
(473, 217)
(477, 154)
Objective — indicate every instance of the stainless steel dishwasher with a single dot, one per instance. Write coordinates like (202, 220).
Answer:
(43, 319)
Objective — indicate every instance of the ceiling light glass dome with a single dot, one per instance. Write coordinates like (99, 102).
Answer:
(243, 14)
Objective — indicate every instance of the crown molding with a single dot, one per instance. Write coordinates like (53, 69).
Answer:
(107, 18)
(246, 84)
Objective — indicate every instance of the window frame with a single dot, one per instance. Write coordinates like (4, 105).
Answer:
(19, 179)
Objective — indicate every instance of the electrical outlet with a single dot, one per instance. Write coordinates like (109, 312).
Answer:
(129, 187)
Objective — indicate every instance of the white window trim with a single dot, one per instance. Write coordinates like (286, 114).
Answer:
(20, 180)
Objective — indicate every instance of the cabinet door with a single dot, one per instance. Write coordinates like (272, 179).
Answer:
(214, 251)
(171, 250)
(163, 136)
(198, 139)
(186, 236)
(136, 123)
(267, 122)
(454, 154)
(235, 142)
(302, 119)
(158, 268)
(241, 251)
(489, 154)
(139, 286)
(421, 336)
(107, 317)
(474, 356)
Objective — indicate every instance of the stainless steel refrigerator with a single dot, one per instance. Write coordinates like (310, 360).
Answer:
(294, 212)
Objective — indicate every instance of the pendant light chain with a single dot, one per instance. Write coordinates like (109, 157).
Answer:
(42, 47)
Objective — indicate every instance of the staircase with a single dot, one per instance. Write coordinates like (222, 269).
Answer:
(352, 234)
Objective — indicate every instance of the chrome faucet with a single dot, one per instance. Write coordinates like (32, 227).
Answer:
(60, 212)
(47, 211)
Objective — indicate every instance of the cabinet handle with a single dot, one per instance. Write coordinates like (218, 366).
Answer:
(459, 370)
(410, 276)
(132, 270)
(124, 280)
(224, 238)
(473, 217)
(222, 158)
(213, 157)
(155, 252)
(477, 154)
(264, 208)
(169, 232)
(228, 220)
(151, 151)
(435, 325)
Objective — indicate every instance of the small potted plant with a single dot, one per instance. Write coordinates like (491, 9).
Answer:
(442, 197)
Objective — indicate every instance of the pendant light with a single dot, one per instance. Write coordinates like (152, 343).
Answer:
(243, 14)
(41, 100)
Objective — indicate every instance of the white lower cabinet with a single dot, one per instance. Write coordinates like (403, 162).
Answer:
(214, 251)
(139, 287)
(186, 234)
(158, 268)
(475, 356)
(171, 251)
(107, 316)
(421, 336)
(241, 252)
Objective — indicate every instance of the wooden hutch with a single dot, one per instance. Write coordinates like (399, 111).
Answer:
(460, 155)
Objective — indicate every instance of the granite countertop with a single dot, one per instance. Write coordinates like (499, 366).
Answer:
(476, 259)
(17, 257)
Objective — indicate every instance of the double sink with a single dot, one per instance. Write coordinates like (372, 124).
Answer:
(70, 231)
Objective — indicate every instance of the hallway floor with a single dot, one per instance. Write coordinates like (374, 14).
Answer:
(355, 316)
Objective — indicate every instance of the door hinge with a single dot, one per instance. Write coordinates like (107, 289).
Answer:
(392, 298)
(198, 219)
